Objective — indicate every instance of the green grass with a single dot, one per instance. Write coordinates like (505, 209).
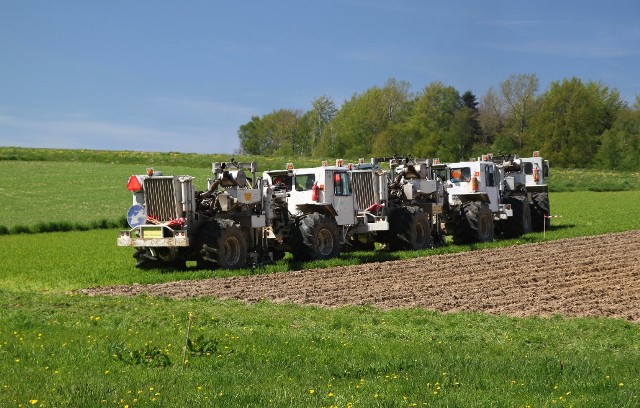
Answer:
(150, 159)
(66, 261)
(593, 180)
(46, 190)
(75, 351)
(60, 349)
(116, 351)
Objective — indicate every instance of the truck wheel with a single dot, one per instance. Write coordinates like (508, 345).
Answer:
(316, 237)
(223, 245)
(409, 228)
(474, 223)
(520, 222)
(539, 207)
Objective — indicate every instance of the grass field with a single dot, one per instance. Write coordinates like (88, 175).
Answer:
(47, 189)
(60, 349)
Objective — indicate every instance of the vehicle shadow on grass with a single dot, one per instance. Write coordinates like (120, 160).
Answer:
(560, 227)
(345, 258)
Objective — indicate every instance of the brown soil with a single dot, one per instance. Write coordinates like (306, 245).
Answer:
(588, 276)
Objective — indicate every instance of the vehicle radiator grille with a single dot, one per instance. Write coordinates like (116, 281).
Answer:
(160, 198)
(363, 189)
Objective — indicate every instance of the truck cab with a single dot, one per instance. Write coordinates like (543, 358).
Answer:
(474, 181)
(343, 192)
(536, 171)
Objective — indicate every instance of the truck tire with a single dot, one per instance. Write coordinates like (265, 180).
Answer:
(316, 237)
(539, 207)
(520, 222)
(409, 228)
(474, 223)
(223, 245)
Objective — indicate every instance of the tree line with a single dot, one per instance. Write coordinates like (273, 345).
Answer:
(573, 123)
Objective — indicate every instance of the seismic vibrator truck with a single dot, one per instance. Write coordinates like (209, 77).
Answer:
(243, 219)
(491, 196)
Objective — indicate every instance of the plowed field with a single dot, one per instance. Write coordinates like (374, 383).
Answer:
(588, 276)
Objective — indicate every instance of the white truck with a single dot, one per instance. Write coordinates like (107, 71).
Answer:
(358, 205)
(536, 170)
(473, 200)
(311, 212)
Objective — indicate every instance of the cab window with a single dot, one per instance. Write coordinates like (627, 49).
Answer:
(282, 181)
(489, 176)
(528, 168)
(341, 184)
(460, 174)
(305, 181)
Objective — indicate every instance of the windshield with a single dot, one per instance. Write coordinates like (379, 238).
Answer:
(460, 174)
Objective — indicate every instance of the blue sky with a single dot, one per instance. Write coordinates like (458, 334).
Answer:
(184, 75)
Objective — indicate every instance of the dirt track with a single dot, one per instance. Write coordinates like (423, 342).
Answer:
(589, 276)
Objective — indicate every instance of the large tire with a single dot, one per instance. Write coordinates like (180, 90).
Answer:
(520, 223)
(223, 245)
(474, 223)
(539, 207)
(316, 237)
(409, 228)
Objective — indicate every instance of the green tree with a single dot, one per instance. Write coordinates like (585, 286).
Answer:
(470, 101)
(491, 113)
(364, 118)
(251, 139)
(571, 118)
(277, 133)
(620, 148)
(433, 122)
(319, 123)
(519, 95)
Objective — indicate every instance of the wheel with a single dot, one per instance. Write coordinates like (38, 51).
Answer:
(474, 223)
(520, 222)
(316, 237)
(484, 231)
(409, 228)
(223, 245)
(540, 208)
